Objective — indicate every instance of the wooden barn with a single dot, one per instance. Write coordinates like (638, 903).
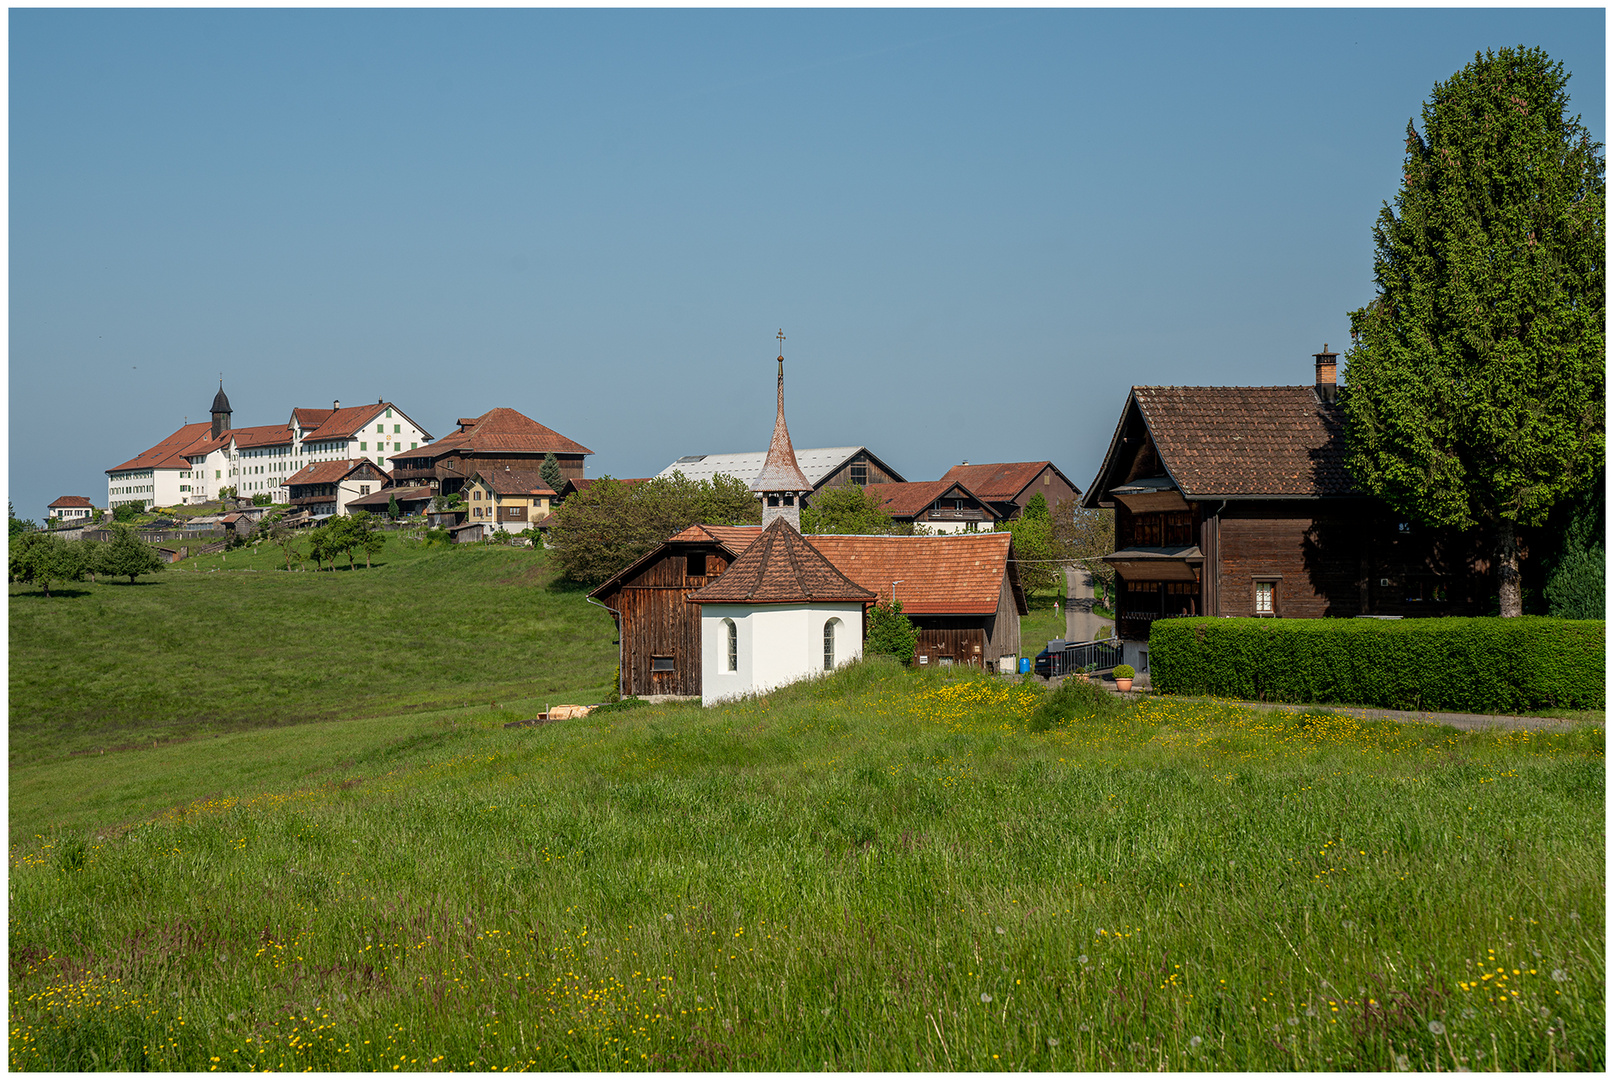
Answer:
(659, 630)
(1234, 500)
(498, 439)
(939, 505)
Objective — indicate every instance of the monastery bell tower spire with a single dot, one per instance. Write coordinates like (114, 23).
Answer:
(780, 485)
(220, 411)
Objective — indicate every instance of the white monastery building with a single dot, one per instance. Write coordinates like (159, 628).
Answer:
(195, 462)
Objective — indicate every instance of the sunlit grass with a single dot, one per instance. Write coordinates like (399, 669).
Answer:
(234, 642)
(882, 870)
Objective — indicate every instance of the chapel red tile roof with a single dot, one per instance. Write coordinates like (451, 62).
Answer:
(781, 567)
(911, 499)
(503, 430)
(170, 453)
(330, 472)
(71, 501)
(961, 574)
(1001, 481)
(1218, 441)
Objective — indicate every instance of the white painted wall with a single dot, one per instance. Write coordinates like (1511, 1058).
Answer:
(778, 644)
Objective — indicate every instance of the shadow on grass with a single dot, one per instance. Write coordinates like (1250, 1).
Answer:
(54, 594)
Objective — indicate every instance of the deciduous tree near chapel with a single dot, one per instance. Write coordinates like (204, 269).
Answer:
(1475, 390)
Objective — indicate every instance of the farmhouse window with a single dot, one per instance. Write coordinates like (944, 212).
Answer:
(662, 663)
(695, 565)
(364, 446)
(860, 471)
(1266, 597)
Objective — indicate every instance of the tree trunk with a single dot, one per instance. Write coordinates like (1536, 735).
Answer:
(1507, 571)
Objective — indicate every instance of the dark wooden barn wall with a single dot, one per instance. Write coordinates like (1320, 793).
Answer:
(658, 621)
(959, 637)
(842, 477)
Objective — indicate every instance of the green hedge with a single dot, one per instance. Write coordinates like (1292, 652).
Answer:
(1451, 665)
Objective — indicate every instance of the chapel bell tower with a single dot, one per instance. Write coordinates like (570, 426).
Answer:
(780, 485)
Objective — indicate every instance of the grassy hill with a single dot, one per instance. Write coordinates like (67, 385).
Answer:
(879, 870)
(234, 642)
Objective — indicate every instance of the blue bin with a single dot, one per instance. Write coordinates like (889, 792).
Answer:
(1025, 665)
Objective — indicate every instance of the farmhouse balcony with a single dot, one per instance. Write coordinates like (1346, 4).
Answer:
(957, 515)
(1157, 563)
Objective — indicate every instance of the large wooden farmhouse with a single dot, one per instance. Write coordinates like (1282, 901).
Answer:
(1234, 500)
(498, 439)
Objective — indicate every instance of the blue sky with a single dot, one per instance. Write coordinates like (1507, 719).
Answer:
(976, 228)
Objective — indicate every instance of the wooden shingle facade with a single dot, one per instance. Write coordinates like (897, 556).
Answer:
(1235, 501)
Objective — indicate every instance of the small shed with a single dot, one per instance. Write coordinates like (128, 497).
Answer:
(469, 533)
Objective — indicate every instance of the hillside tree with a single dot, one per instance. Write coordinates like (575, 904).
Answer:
(1038, 557)
(597, 532)
(1474, 394)
(891, 632)
(40, 558)
(127, 554)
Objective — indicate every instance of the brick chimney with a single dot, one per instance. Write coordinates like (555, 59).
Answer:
(1327, 375)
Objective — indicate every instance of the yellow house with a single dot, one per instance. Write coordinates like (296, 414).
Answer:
(506, 499)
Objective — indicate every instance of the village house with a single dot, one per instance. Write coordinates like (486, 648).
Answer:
(1009, 486)
(508, 500)
(941, 506)
(199, 460)
(71, 509)
(327, 489)
(500, 438)
(1235, 501)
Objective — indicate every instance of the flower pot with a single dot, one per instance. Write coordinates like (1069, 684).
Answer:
(1123, 684)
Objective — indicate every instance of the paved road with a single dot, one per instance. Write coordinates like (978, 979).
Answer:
(1080, 622)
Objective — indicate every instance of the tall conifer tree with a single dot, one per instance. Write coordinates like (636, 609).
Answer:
(1474, 391)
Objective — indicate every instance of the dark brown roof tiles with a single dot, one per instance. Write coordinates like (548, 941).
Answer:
(781, 567)
(1220, 441)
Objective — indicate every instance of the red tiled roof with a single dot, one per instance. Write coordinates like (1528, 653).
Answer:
(911, 499)
(310, 419)
(170, 453)
(330, 472)
(67, 501)
(345, 423)
(961, 574)
(504, 430)
(265, 435)
(1247, 440)
(514, 482)
(781, 567)
(1002, 481)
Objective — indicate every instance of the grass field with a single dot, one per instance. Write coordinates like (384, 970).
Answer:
(233, 642)
(880, 870)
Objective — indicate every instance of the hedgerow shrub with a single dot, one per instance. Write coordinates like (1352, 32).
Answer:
(1455, 665)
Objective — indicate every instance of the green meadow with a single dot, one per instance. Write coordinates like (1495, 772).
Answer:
(233, 642)
(880, 870)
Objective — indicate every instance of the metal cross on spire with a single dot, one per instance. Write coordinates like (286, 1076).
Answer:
(781, 343)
